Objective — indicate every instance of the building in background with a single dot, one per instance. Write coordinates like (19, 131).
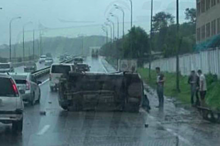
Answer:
(208, 24)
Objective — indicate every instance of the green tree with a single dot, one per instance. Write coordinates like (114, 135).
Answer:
(162, 20)
(191, 15)
(136, 44)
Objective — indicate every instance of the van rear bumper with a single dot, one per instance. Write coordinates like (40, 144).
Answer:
(9, 117)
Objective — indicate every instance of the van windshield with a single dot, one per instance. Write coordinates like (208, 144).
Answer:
(60, 69)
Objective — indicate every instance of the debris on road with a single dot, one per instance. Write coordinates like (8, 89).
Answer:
(146, 125)
(43, 113)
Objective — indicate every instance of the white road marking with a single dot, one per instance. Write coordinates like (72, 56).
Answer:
(43, 130)
(44, 82)
(103, 66)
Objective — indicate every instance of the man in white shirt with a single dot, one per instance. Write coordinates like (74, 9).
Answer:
(202, 87)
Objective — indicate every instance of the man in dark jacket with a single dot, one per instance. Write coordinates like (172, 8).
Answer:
(193, 80)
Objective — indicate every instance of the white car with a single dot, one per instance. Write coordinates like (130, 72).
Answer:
(56, 71)
(49, 61)
(6, 67)
(27, 82)
(11, 104)
(42, 59)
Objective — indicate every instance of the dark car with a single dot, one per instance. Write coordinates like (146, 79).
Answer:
(30, 67)
(82, 67)
(78, 60)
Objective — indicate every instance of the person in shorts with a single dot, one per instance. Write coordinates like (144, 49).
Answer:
(202, 87)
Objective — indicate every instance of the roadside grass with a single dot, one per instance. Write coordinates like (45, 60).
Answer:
(213, 93)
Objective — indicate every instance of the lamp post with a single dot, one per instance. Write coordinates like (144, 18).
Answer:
(33, 44)
(15, 18)
(123, 18)
(24, 39)
(178, 46)
(131, 3)
(151, 39)
(116, 17)
(110, 26)
(106, 32)
(113, 26)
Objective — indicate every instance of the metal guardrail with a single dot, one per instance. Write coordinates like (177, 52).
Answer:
(44, 71)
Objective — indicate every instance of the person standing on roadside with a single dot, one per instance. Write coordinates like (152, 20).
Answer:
(202, 87)
(160, 87)
(193, 80)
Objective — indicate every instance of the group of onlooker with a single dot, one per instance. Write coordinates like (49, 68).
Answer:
(197, 83)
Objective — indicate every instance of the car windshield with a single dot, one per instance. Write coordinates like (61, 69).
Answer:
(111, 72)
(4, 66)
(6, 88)
(60, 69)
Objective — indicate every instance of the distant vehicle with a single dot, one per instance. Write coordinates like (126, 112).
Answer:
(30, 86)
(11, 104)
(78, 60)
(95, 53)
(30, 67)
(104, 92)
(80, 67)
(48, 55)
(49, 61)
(56, 71)
(6, 67)
(42, 59)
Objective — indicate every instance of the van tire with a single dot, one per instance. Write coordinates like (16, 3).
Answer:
(38, 100)
(32, 102)
(17, 126)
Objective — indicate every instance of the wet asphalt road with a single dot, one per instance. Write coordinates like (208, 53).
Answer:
(62, 128)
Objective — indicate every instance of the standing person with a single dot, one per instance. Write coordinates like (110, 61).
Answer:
(202, 87)
(160, 87)
(193, 80)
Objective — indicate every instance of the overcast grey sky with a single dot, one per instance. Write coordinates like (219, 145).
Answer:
(71, 18)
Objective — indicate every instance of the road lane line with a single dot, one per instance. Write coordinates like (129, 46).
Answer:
(103, 65)
(43, 130)
(44, 82)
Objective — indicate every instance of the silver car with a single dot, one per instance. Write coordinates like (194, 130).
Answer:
(11, 104)
(30, 86)
(6, 67)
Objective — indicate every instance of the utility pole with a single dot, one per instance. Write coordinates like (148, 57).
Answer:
(178, 46)
(151, 39)
(123, 18)
(113, 27)
(11, 35)
(131, 13)
(33, 45)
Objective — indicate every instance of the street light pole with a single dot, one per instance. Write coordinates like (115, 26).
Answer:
(24, 39)
(106, 31)
(151, 39)
(33, 44)
(131, 13)
(110, 26)
(117, 22)
(123, 19)
(113, 26)
(10, 35)
(178, 46)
